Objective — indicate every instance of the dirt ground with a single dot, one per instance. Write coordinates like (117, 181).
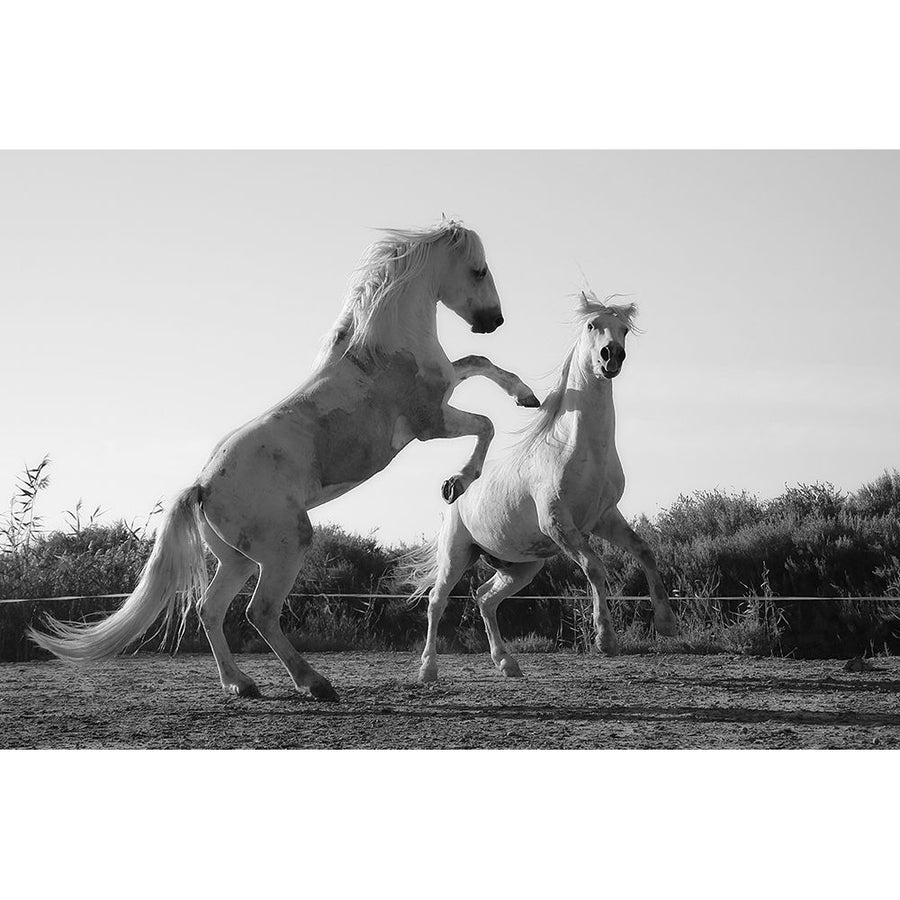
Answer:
(564, 701)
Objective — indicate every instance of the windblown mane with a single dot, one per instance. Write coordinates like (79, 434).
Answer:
(590, 306)
(368, 319)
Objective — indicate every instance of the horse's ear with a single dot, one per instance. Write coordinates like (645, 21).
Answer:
(582, 297)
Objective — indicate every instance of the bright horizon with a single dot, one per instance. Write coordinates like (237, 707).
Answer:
(153, 301)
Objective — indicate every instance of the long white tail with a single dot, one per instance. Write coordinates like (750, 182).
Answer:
(173, 579)
(418, 569)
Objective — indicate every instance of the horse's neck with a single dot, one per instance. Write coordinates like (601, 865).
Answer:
(587, 422)
(414, 330)
(417, 325)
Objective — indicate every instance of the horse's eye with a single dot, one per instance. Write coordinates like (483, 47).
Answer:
(590, 326)
(480, 274)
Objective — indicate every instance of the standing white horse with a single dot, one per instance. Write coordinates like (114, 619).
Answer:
(381, 380)
(562, 483)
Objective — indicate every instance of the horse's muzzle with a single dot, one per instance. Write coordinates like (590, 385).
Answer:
(613, 356)
(485, 323)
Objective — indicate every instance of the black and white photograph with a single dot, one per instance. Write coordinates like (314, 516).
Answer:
(561, 474)
(457, 449)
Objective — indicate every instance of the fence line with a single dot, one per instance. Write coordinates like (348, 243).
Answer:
(326, 596)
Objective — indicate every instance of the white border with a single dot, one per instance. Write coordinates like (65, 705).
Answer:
(448, 824)
(471, 73)
(466, 74)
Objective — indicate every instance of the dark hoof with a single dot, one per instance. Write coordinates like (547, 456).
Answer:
(531, 402)
(452, 489)
(607, 645)
(324, 692)
(246, 688)
(510, 668)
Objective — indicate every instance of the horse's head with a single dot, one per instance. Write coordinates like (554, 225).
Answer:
(605, 327)
(464, 281)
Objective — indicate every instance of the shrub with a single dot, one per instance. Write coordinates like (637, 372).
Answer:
(812, 540)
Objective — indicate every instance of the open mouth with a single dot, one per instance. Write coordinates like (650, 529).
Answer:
(607, 374)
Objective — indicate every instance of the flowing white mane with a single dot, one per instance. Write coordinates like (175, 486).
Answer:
(369, 315)
(590, 307)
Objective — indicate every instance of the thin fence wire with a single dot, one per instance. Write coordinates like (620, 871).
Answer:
(325, 595)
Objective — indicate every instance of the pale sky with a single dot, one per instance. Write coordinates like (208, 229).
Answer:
(153, 301)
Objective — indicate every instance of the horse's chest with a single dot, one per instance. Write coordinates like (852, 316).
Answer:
(360, 438)
(352, 446)
(591, 489)
(420, 401)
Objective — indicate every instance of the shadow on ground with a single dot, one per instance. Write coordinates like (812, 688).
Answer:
(565, 701)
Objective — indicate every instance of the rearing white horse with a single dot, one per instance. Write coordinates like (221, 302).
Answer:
(381, 380)
(562, 483)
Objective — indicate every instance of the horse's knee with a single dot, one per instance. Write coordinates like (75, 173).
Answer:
(436, 606)
(642, 552)
(595, 571)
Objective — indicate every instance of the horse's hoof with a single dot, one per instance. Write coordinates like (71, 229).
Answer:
(453, 488)
(241, 688)
(510, 668)
(530, 401)
(608, 645)
(427, 674)
(322, 690)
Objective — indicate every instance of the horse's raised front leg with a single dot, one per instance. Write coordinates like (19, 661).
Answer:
(507, 381)
(557, 524)
(456, 423)
(616, 530)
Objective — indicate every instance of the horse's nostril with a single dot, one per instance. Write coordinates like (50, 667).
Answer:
(498, 322)
(604, 353)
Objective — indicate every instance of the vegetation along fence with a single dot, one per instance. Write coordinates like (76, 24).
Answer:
(802, 627)
(811, 573)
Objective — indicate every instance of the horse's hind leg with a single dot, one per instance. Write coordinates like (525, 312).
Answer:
(264, 613)
(617, 531)
(278, 570)
(455, 554)
(233, 571)
(506, 581)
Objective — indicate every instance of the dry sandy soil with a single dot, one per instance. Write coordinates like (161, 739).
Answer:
(564, 701)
